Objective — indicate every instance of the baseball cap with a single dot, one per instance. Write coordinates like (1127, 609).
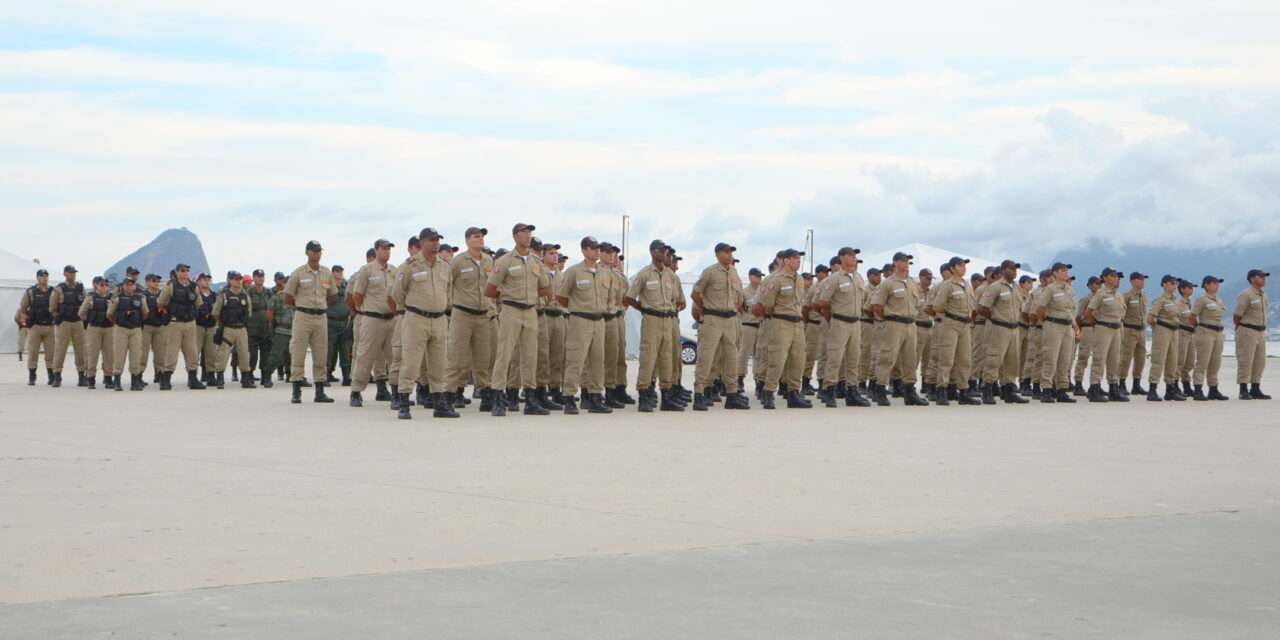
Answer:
(42, 272)
(70, 269)
(448, 247)
(725, 246)
(502, 251)
(131, 270)
(563, 258)
(1138, 276)
(279, 274)
(428, 233)
(658, 245)
(549, 245)
(1046, 273)
(790, 253)
(313, 245)
(370, 252)
(822, 268)
(925, 272)
(1111, 271)
(902, 256)
(248, 279)
(1168, 277)
(606, 246)
(336, 267)
(234, 275)
(1009, 263)
(589, 242)
(128, 281)
(99, 280)
(259, 272)
(382, 242)
(1026, 279)
(205, 275)
(1208, 279)
(1186, 284)
(1257, 272)
(844, 251)
(520, 226)
(414, 242)
(152, 276)
(471, 231)
(873, 271)
(182, 266)
(1094, 280)
(755, 271)
(806, 275)
(955, 260)
(1060, 265)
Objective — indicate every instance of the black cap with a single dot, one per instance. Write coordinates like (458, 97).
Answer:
(1208, 279)
(1111, 271)
(1094, 280)
(902, 256)
(99, 280)
(833, 261)
(474, 230)
(676, 258)
(535, 243)
(428, 233)
(448, 247)
(520, 226)
(1009, 263)
(279, 274)
(873, 271)
(925, 272)
(414, 242)
(382, 242)
(806, 275)
(502, 251)
(822, 268)
(550, 245)
(1026, 279)
(70, 269)
(790, 253)
(955, 260)
(1257, 272)
(370, 252)
(131, 269)
(152, 276)
(42, 272)
(589, 242)
(205, 275)
(259, 272)
(1168, 277)
(182, 266)
(1136, 276)
(844, 251)
(658, 245)
(606, 246)
(755, 271)
(945, 267)
(233, 275)
(1046, 273)
(1060, 265)
(1186, 284)
(563, 258)
(725, 246)
(129, 281)
(977, 275)
(313, 245)
(337, 267)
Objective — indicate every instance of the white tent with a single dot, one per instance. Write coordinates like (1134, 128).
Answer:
(16, 274)
(927, 257)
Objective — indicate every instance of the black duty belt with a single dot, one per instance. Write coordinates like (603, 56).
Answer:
(867, 320)
(1186, 327)
(1167, 325)
(1057, 320)
(383, 316)
(844, 318)
(1024, 325)
(232, 325)
(659, 314)
(1006, 325)
(957, 317)
(613, 316)
(1253, 326)
(1133, 326)
(425, 314)
(587, 316)
(1211, 327)
(399, 312)
(314, 312)
(554, 313)
(187, 320)
(468, 310)
(44, 323)
(899, 319)
(720, 314)
(751, 324)
(778, 316)
(1109, 325)
(979, 322)
(924, 325)
(518, 305)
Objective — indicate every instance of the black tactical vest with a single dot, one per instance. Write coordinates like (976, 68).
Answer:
(98, 310)
(204, 315)
(69, 308)
(129, 311)
(153, 303)
(235, 309)
(39, 308)
(183, 302)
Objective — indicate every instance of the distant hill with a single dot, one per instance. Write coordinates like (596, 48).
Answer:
(162, 254)
(1229, 263)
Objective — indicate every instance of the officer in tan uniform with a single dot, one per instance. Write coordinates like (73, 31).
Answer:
(781, 301)
(370, 293)
(1085, 347)
(953, 302)
(1031, 327)
(749, 327)
(717, 301)
(682, 395)
(127, 311)
(519, 278)
(551, 332)
(840, 302)
(232, 309)
(989, 276)
(1055, 307)
(68, 325)
(37, 308)
(1133, 347)
(813, 312)
(1250, 317)
(584, 290)
(615, 330)
(1163, 317)
(154, 329)
(97, 335)
(413, 247)
(470, 331)
(651, 293)
(179, 302)
(1207, 314)
(421, 288)
(866, 370)
(924, 330)
(894, 304)
(761, 355)
(1186, 336)
(1105, 311)
(814, 330)
(310, 290)
(1000, 307)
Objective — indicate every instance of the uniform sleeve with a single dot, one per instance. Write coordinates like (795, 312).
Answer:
(701, 284)
(357, 283)
(567, 282)
(217, 305)
(1154, 307)
(55, 299)
(1096, 301)
(111, 307)
(333, 286)
(827, 292)
(400, 288)
(1197, 307)
(26, 299)
(165, 294)
(291, 287)
(84, 307)
(499, 273)
(878, 295)
(769, 295)
(633, 291)
(1242, 305)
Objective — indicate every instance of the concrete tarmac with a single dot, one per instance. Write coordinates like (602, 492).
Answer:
(239, 514)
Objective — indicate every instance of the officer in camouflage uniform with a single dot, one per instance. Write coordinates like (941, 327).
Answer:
(259, 330)
(341, 338)
(280, 317)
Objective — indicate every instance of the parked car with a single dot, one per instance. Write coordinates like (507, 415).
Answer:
(688, 350)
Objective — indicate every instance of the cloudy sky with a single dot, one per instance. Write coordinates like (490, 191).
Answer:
(992, 128)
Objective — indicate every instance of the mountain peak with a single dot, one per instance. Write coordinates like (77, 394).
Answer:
(163, 253)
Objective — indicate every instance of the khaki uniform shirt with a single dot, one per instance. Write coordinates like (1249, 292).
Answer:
(1084, 304)
(616, 285)
(1251, 306)
(587, 288)
(1058, 300)
(922, 301)
(750, 294)
(677, 291)
(898, 296)
(1001, 298)
(1184, 311)
(783, 293)
(955, 298)
(1209, 309)
(518, 279)
(311, 288)
(1135, 303)
(469, 279)
(846, 292)
(423, 286)
(1108, 305)
(1165, 309)
(652, 288)
(720, 288)
(373, 281)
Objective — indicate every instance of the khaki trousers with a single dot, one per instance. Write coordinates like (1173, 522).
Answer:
(717, 353)
(1187, 349)
(355, 339)
(1034, 358)
(1001, 365)
(868, 338)
(470, 340)
(98, 344)
(1251, 355)
(310, 331)
(1056, 343)
(979, 348)
(584, 351)
(955, 353)
(182, 337)
(813, 333)
(397, 350)
(551, 351)
(897, 346)
(761, 354)
(1106, 353)
(207, 350)
(1133, 350)
(373, 350)
(39, 335)
(517, 329)
(238, 339)
(1164, 355)
(615, 352)
(844, 347)
(924, 342)
(154, 342)
(1084, 352)
(929, 364)
(128, 343)
(655, 352)
(1208, 347)
(677, 346)
(786, 355)
(70, 332)
(747, 346)
(423, 340)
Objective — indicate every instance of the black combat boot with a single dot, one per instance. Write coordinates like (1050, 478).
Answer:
(969, 396)
(512, 398)
(670, 400)
(31, 377)
(912, 398)
(1117, 393)
(1172, 392)
(1244, 392)
(853, 397)
(880, 394)
(1047, 396)
(712, 393)
(356, 400)
(460, 398)
(544, 397)
(1064, 395)
(737, 400)
(988, 394)
(420, 395)
(796, 400)
(616, 398)
(116, 384)
(1214, 394)
(700, 402)
(1096, 394)
(624, 398)
(1024, 386)
(246, 380)
(895, 388)
(88, 382)
(395, 397)
(266, 378)
(382, 395)
(940, 396)
(320, 396)
(329, 378)
(806, 388)
(828, 396)
(57, 379)
(1137, 388)
(1153, 395)
(109, 382)
(405, 406)
(235, 375)
(486, 400)
(498, 404)
(1078, 389)
(571, 406)
(296, 398)
(533, 405)
(220, 380)
(136, 383)
(193, 381)
(1186, 388)
(647, 402)
(1255, 392)
(766, 399)
(49, 378)
(444, 406)
(1124, 391)
(1036, 390)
